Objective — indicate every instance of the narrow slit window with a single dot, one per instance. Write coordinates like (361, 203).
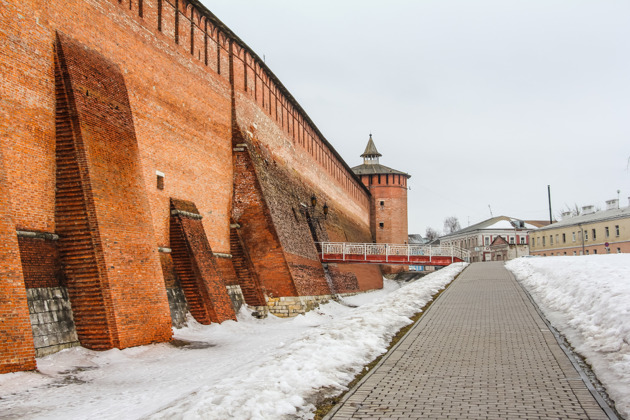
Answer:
(160, 180)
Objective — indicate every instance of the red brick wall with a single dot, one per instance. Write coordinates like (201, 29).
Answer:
(16, 338)
(41, 265)
(369, 276)
(245, 271)
(226, 270)
(308, 275)
(102, 205)
(286, 199)
(196, 267)
(174, 66)
(168, 271)
(181, 107)
(257, 230)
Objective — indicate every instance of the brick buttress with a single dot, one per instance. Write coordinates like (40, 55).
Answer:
(102, 214)
(196, 267)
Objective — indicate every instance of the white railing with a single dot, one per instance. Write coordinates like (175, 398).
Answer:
(353, 250)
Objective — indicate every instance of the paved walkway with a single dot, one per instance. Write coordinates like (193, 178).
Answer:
(480, 351)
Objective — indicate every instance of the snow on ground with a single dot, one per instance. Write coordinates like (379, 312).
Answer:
(251, 369)
(587, 299)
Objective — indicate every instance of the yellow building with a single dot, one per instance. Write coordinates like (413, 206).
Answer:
(592, 232)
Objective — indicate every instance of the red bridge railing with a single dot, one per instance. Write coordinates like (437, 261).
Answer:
(405, 254)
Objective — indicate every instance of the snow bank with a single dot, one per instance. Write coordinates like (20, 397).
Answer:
(254, 369)
(326, 357)
(587, 298)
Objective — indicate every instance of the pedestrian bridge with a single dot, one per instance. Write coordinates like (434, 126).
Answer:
(404, 254)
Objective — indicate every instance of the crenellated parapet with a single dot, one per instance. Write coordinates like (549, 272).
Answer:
(189, 24)
(152, 165)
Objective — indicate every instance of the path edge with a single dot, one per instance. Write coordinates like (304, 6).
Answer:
(571, 355)
(386, 356)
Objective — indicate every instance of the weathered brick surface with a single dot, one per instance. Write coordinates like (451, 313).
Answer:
(257, 231)
(187, 81)
(342, 228)
(297, 225)
(245, 272)
(16, 338)
(41, 265)
(226, 268)
(368, 276)
(343, 282)
(102, 211)
(196, 267)
(168, 271)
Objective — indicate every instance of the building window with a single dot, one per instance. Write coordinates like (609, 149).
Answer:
(586, 235)
(486, 240)
(594, 234)
(574, 253)
(382, 204)
(565, 253)
(550, 239)
(160, 180)
(607, 232)
(522, 240)
(544, 240)
(381, 225)
(594, 251)
(587, 252)
(564, 238)
(512, 240)
(573, 236)
(616, 230)
(618, 250)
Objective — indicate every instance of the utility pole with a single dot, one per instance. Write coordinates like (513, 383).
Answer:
(549, 195)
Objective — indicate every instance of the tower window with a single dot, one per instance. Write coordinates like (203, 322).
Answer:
(381, 225)
(382, 203)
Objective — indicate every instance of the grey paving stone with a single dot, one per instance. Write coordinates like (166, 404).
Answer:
(480, 351)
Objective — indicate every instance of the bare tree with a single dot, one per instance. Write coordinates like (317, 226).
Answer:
(431, 234)
(451, 224)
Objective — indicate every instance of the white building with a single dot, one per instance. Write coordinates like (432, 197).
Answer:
(498, 238)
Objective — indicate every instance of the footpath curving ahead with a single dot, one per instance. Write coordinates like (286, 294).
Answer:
(481, 351)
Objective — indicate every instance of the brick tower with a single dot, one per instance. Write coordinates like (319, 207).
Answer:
(388, 213)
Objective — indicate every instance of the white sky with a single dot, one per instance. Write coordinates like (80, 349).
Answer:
(483, 103)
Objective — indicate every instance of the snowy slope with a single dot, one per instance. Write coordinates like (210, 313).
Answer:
(251, 369)
(587, 298)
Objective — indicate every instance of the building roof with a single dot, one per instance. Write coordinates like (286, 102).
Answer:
(415, 238)
(371, 165)
(370, 149)
(498, 222)
(538, 223)
(598, 216)
(376, 168)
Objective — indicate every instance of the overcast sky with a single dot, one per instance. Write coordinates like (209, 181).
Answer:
(484, 103)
